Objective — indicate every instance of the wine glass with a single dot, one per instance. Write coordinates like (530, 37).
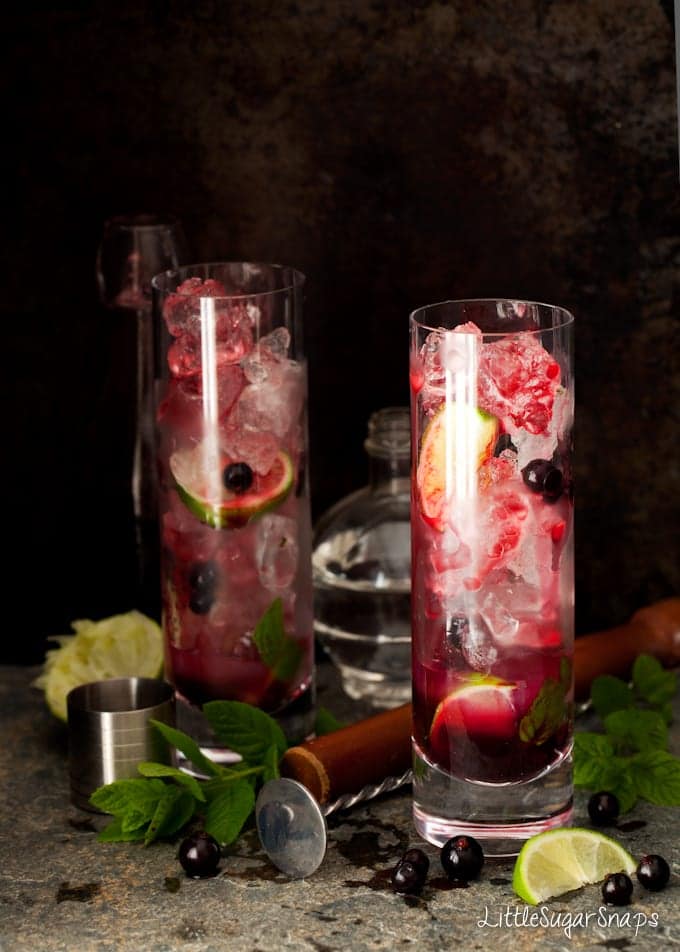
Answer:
(134, 248)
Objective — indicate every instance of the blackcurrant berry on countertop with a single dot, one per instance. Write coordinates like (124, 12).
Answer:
(617, 889)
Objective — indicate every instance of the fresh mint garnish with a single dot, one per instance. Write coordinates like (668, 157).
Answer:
(164, 799)
(188, 747)
(547, 712)
(229, 810)
(280, 653)
(631, 759)
(245, 729)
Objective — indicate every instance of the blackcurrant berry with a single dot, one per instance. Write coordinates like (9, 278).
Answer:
(203, 575)
(418, 859)
(653, 872)
(238, 477)
(603, 808)
(199, 855)
(408, 878)
(542, 477)
(504, 442)
(617, 889)
(201, 601)
(462, 858)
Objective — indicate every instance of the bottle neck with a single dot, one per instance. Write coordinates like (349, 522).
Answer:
(388, 474)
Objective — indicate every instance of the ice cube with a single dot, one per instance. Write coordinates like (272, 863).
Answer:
(518, 380)
(477, 645)
(499, 619)
(257, 448)
(181, 309)
(269, 407)
(276, 551)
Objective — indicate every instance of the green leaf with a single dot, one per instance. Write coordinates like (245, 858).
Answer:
(166, 813)
(123, 797)
(546, 714)
(326, 723)
(597, 768)
(610, 694)
(281, 653)
(134, 820)
(633, 730)
(657, 777)
(114, 833)
(656, 685)
(621, 782)
(149, 769)
(271, 764)
(592, 753)
(228, 812)
(245, 729)
(187, 746)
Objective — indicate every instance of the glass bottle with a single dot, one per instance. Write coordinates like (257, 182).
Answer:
(361, 563)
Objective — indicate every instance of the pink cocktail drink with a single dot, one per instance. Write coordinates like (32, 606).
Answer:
(492, 587)
(235, 523)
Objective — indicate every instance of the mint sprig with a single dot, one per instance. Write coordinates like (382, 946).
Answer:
(164, 799)
(631, 758)
(279, 652)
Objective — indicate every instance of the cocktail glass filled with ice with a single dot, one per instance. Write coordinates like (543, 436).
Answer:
(234, 501)
(492, 570)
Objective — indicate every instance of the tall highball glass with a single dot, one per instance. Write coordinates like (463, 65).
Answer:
(492, 570)
(234, 499)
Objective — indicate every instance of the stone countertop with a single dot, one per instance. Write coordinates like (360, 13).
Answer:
(61, 891)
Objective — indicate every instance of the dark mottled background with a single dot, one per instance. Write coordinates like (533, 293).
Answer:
(398, 153)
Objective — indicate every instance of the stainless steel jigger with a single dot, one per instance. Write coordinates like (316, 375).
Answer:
(110, 731)
(291, 824)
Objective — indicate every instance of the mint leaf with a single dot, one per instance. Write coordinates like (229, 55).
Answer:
(228, 812)
(281, 653)
(326, 723)
(172, 812)
(134, 820)
(271, 764)
(546, 714)
(123, 797)
(188, 747)
(597, 768)
(245, 729)
(149, 769)
(610, 694)
(633, 730)
(592, 753)
(656, 685)
(657, 777)
(114, 833)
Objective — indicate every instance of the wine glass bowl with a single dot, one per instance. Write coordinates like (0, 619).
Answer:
(133, 248)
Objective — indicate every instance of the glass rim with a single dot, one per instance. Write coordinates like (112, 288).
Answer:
(142, 221)
(298, 278)
(566, 321)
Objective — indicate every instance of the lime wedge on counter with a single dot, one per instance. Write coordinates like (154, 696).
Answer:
(129, 645)
(198, 476)
(557, 861)
(457, 440)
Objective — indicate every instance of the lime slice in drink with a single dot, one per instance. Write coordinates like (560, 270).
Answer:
(482, 709)
(129, 645)
(457, 440)
(198, 475)
(558, 861)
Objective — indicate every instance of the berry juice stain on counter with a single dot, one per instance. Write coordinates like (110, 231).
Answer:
(631, 825)
(369, 848)
(85, 892)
